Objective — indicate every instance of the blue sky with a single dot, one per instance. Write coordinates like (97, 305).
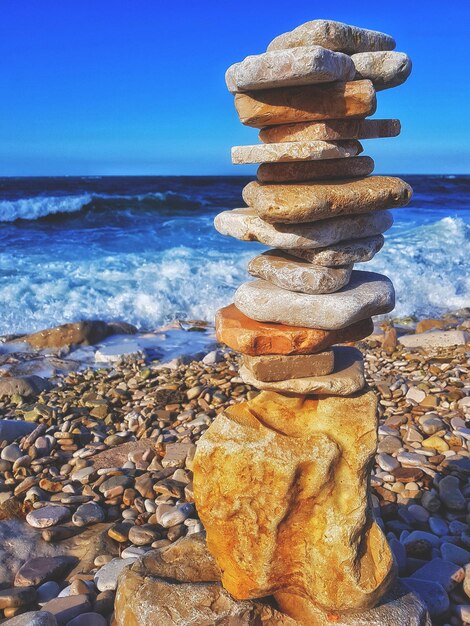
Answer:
(126, 87)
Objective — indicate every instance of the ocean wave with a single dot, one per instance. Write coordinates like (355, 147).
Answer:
(428, 265)
(39, 207)
(150, 287)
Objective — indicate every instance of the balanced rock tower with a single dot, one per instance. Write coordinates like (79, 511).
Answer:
(281, 482)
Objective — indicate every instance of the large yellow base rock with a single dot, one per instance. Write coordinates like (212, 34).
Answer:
(281, 486)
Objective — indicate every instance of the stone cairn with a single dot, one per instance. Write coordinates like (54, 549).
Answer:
(281, 481)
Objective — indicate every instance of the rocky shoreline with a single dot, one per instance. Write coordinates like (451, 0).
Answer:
(95, 468)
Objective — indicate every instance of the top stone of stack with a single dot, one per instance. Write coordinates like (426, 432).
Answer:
(334, 36)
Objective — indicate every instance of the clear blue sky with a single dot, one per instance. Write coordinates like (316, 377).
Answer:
(137, 86)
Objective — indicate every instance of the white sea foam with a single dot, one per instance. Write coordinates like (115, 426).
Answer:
(149, 288)
(41, 206)
(428, 266)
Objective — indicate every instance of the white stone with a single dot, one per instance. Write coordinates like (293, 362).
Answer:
(385, 69)
(305, 65)
(245, 224)
(415, 394)
(294, 151)
(46, 516)
(366, 295)
(106, 577)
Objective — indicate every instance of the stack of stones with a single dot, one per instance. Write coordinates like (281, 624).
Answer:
(314, 203)
(281, 482)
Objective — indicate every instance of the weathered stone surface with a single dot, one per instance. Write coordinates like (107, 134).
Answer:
(308, 202)
(295, 151)
(331, 130)
(366, 295)
(41, 569)
(106, 577)
(179, 585)
(182, 589)
(303, 463)
(246, 225)
(245, 335)
(303, 171)
(32, 618)
(86, 333)
(347, 378)
(334, 36)
(49, 515)
(267, 107)
(436, 339)
(295, 274)
(23, 385)
(304, 65)
(282, 367)
(385, 69)
(67, 608)
(355, 251)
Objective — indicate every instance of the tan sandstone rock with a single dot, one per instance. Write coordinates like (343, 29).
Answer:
(179, 585)
(245, 224)
(331, 130)
(305, 65)
(288, 272)
(266, 107)
(282, 367)
(366, 295)
(385, 69)
(294, 513)
(335, 36)
(303, 171)
(347, 378)
(354, 251)
(307, 202)
(245, 335)
(149, 596)
(294, 151)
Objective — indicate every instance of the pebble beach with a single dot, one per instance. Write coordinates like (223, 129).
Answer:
(96, 469)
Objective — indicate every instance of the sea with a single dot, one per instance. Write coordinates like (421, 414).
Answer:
(144, 249)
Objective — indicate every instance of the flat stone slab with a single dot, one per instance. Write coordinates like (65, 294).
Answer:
(346, 379)
(308, 202)
(281, 367)
(354, 251)
(326, 169)
(435, 339)
(243, 334)
(246, 225)
(366, 295)
(331, 130)
(49, 515)
(329, 101)
(67, 608)
(304, 65)
(39, 570)
(295, 151)
(385, 69)
(335, 36)
(288, 272)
